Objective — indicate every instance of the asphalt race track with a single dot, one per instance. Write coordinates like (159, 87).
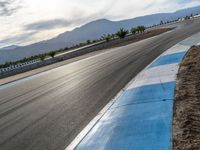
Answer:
(48, 110)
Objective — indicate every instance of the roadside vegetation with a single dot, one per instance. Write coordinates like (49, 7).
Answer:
(107, 37)
(138, 37)
(121, 34)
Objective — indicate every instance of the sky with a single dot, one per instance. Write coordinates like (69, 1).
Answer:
(27, 21)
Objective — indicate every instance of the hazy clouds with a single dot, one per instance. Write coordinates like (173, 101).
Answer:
(48, 24)
(27, 21)
(8, 7)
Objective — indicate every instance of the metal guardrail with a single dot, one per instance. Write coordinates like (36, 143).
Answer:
(13, 67)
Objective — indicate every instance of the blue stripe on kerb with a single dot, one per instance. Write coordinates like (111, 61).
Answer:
(168, 59)
(148, 93)
(137, 123)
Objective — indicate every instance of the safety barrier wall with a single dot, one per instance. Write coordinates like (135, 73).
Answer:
(20, 65)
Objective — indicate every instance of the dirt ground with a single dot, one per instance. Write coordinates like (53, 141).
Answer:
(143, 36)
(186, 123)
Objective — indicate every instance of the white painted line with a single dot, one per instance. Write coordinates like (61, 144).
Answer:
(158, 71)
(193, 40)
(51, 70)
(159, 80)
(159, 74)
(176, 49)
(80, 48)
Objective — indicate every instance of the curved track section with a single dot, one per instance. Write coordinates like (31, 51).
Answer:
(48, 110)
(141, 118)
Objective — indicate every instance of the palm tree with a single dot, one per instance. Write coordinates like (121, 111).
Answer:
(94, 41)
(133, 30)
(141, 28)
(42, 57)
(113, 36)
(7, 64)
(187, 17)
(88, 42)
(122, 33)
(66, 48)
(107, 37)
(52, 54)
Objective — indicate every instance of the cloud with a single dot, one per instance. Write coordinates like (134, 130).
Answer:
(8, 7)
(18, 38)
(48, 24)
(52, 17)
(183, 1)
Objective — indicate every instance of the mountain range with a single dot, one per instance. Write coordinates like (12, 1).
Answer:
(90, 31)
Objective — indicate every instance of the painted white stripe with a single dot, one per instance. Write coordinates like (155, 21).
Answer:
(159, 74)
(176, 49)
(158, 71)
(10, 84)
(159, 80)
(193, 40)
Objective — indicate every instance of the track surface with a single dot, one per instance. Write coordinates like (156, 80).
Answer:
(47, 111)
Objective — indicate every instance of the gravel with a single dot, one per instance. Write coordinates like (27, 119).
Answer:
(186, 121)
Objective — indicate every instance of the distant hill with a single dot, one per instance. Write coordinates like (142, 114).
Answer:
(10, 47)
(90, 31)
